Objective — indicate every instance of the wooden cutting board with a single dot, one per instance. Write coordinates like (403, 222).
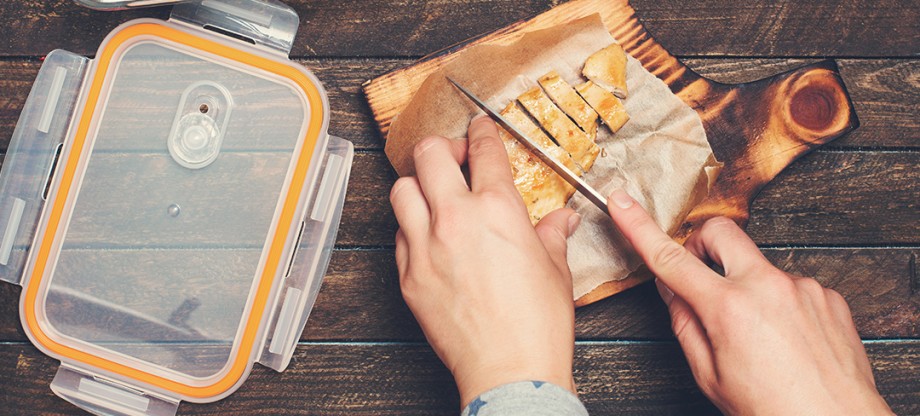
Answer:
(756, 128)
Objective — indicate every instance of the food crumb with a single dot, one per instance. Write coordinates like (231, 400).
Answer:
(22, 364)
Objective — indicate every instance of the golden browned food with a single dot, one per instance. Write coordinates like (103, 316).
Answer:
(569, 115)
(610, 108)
(541, 188)
(607, 68)
(560, 127)
(516, 116)
(570, 102)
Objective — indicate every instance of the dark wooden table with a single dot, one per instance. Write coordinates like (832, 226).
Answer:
(847, 213)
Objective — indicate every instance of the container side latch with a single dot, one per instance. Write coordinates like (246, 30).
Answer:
(268, 24)
(43, 125)
(102, 396)
(310, 260)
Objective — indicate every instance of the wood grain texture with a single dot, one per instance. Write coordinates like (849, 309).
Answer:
(408, 379)
(884, 92)
(826, 198)
(862, 194)
(360, 299)
(415, 28)
(864, 213)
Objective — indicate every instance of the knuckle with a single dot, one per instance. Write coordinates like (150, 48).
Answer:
(833, 294)
(486, 144)
(427, 143)
(399, 186)
(402, 243)
(447, 224)
(408, 286)
(708, 383)
(780, 288)
(551, 233)
(836, 299)
(809, 286)
(669, 254)
(717, 222)
(680, 320)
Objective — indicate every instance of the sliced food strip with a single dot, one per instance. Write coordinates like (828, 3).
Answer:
(541, 188)
(516, 116)
(560, 126)
(610, 108)
(607, 68)
(570, 102)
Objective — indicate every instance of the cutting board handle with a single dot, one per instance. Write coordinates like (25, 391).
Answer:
(758, 128)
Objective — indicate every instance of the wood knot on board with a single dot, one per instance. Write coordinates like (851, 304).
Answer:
(817, 107)
(814, 107)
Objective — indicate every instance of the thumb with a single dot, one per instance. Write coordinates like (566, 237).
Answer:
(554, 229)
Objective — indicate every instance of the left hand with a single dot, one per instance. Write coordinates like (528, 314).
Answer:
(492, 293)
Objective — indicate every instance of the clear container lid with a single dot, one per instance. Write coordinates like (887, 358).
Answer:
(195, 168)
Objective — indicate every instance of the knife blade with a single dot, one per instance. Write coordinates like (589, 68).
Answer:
(579, 184)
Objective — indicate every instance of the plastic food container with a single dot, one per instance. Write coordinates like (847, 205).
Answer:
(170, 207)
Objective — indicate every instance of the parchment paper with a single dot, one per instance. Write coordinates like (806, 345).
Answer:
(661, 156)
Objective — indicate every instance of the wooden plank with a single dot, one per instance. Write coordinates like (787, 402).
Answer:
(770, 28)
(876, 283)
(825, 198)
(385, 28)
(360, 298)
(882, 91)
(408, 379)
(841, 198)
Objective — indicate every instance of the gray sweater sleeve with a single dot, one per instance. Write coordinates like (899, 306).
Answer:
(534, 398)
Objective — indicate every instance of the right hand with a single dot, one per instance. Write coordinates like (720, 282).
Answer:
(758, 340)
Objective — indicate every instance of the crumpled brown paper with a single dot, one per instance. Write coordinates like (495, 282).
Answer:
(661, 156)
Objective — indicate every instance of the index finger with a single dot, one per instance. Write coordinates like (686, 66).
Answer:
(680, 270)
(487, 157)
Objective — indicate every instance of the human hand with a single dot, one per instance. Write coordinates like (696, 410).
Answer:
(492, 293)
(758, 340)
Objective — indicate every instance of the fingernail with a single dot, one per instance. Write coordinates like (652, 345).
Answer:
(574, 222)
(621, 199)
(666, 294)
